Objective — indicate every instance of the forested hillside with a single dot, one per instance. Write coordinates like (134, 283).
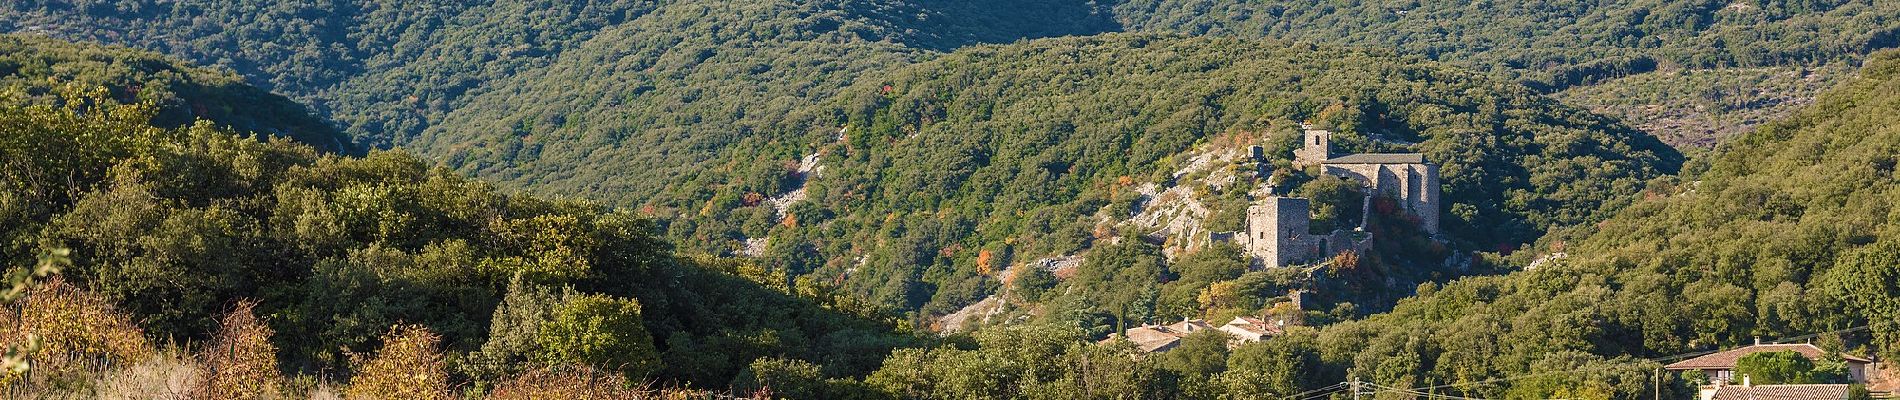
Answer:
(386, 70)
(773, 196)
(1698, 72)
(524, 91)
(983, 124)
(1789, 232)
(1552, 44)
(997, 155)
(1698, 109)
(36, 69)
(176, 226)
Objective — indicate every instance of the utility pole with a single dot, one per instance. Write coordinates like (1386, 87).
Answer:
(1658, 385)
(1355, 388)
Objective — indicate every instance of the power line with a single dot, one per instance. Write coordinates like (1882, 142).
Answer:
(1418, 393)
(1328, 389)
(1322, 394)
(1659, 360)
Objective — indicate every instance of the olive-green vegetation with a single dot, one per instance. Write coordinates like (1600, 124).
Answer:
(1788, 230)
(37, 67)
(1690, 72)
(1789, 368)
(941, 164)
(387, 70)
(176, 225)
(1008, 150)
(1553, 44)
(382, 69)
(693, 112)
(1698, 109)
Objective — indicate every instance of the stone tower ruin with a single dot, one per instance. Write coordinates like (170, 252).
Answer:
(1277, 227)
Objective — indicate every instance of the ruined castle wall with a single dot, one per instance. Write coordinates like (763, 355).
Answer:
(1415, 185)
(1276, 230)
(1426, 203)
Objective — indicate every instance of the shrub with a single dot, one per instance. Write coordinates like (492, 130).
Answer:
(241, 363)
(1785, 367)
(781, 378)
(409, 367)
(564, 382)
(512, 332)
(75, 331)
(602, 331)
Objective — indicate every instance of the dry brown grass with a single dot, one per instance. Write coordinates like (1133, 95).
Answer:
(80, 336)
(409, 367)
(566, 382)
(241, 363)
(167, 376)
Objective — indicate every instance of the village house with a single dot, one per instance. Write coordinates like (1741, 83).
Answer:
(1160, 338)
(1249, 329)
(1782, 392)
(1723, 384)
(1720, 367)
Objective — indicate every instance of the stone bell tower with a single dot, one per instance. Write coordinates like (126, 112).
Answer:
(1316, 146)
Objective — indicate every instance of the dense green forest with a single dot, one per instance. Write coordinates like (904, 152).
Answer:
(777, 196)
(695, 111)
(694, 129)
(1007, 150)
(389, 71)
(1552, 44)
(1698, 109)
(35, 69)
(1787, 232)
(386, 70)
(174, 226)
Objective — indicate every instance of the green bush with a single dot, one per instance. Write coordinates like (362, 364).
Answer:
(599, 330)
(1785, 368)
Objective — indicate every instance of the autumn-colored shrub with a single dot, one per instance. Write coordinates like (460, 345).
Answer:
(410, 366)
(75, 331)
(565, 382)
(240, 363)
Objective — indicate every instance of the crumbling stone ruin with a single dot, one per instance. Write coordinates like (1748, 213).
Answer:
(1277, 227)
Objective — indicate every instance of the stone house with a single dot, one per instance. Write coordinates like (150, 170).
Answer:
(1249, 329)
(1720, 367)
(1159, 338)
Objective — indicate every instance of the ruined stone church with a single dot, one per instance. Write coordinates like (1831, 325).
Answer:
(1277, 227)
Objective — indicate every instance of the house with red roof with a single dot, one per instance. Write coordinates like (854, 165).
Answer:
(1783, 392)
(1720, 366)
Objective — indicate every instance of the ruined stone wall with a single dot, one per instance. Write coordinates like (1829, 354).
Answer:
(1426, 203)
(1414, 185)
(1276, 231)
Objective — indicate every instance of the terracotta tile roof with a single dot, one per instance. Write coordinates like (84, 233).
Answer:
(1153, 338)
(1254, 325)
(1726, 359)
(1782, 392)
(1189, 326)
(1380, 158)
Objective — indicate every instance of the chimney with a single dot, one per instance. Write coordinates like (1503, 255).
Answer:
(1746, 382)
